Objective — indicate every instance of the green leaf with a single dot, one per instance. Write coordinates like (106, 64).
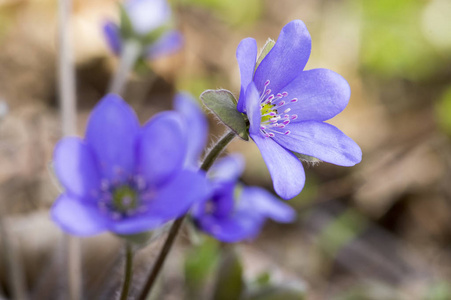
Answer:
(265, 50)
(229, 282)
(223, 104)
(284, 292)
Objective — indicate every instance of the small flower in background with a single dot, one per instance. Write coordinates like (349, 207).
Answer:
(148, 22)
(287, 106)
(122, 177)
(236, 212)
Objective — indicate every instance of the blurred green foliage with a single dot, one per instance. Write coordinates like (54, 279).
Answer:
(393, 44)
(229, 281)
(233, 12)
(278, 293)
(440, 291)
(200, 261)
(341, 231)
(196, 85)
(371, 290)
(309, 194)
(443, 111)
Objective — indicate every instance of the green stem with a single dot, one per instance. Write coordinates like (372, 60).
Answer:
(129, 54)
(128, 271)
(206, 164)
(216, 150)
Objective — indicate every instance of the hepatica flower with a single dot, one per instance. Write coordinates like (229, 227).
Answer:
(236, 212)
(122, 177)
(287, 106)
(196, 123)
(148, 22)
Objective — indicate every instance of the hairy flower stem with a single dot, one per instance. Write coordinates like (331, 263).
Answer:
(129, 54)
(216, 150)
(206, 164)
(67, 95)
(128, 271)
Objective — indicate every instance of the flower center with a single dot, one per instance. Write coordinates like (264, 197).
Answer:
(274, 110)
(125, 198)
(266, 110)
(122, 199)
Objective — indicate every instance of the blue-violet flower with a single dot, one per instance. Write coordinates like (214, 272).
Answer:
(196, 122)
(287, 106)
(122, 177)
(236, 212)
(146, 17)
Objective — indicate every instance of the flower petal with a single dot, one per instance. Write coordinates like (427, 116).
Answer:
(266, 204)
(246, 55)
(167, 44)
(240, 226)
(321, 94)
(77, 218)
(162, 148)
(147, 15)
(76, 167)
(112, 133)
(286, 59)
(176, 197)
(323, 141)
(228, 168)
(113, 36)
(286, 170)
(252, 102)
(196, 124)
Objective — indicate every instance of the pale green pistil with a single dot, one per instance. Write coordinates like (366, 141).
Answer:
(125, 199)
(265, 112)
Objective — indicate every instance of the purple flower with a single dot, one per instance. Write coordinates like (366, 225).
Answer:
(287, 106)
(196, 123)
(146, 18)
(122, 177)
(147, 15)
(236, 212)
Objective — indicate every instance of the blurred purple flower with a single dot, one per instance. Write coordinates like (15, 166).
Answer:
(122, 177)
(287, 106)
(236, 212)
(146, 17)
(197, 123)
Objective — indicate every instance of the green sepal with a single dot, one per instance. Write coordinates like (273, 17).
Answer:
(307, 158)
(126, 26)
(138, 239)
(128, 32)
(152, 36)
(265, 50)
(229, 281)
(223, 104)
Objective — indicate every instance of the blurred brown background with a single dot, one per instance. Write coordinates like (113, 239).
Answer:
(379, 230)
